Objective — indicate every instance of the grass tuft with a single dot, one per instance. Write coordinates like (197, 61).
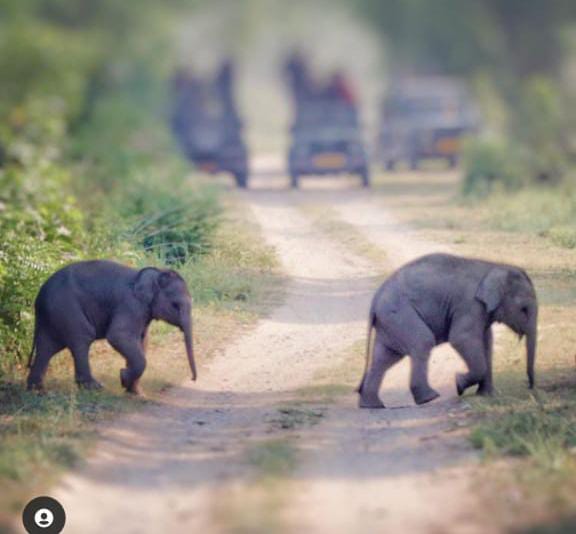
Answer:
(272, 459)
(291, 417)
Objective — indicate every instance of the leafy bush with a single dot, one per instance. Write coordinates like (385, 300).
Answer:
(38, 60)
(169, 218)
(489, 164)
(536, 149)
(539, 125)
(41, 229)
(89, 167)
(139, 179)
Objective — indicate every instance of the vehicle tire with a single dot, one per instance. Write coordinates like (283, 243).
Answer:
(365, 177)
(294, 180)
(452, 162)
(414, 164)
(390, 165)
(241, 179)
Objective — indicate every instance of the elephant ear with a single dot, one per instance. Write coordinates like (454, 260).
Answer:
(165, 278)
(492, 287)
(146, 284)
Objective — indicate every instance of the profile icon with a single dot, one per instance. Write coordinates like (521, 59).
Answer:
(44, 515)
(43, 518)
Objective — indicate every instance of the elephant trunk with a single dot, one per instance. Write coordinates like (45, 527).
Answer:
(531, 338)
(187, 329)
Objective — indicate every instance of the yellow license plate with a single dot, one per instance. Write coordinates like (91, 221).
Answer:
(449, 145)
(329, 161)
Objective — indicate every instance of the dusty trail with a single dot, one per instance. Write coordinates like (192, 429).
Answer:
(406, 469)
(168, 468)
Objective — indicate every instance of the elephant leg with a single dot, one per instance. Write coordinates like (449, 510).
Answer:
(407, 333)
(46, 347)
(419, 385)
(144, 341)
(471, 348)
(383, 358)
(133, 352)
(485, 387)
(415, 338)
(83, 374)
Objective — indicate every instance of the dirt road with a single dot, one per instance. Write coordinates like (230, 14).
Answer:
(206, 459)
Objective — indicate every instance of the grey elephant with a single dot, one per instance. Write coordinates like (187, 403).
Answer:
(443, 298)
(99, 299)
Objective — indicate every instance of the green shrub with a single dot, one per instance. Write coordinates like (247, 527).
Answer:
(42, 228)
(89, 166)
(38, 60)
(490, 164)
(169, 218)
(535, 149)
(539, 125)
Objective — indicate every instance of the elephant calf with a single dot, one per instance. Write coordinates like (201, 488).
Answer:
(439, 298)
(93, 300)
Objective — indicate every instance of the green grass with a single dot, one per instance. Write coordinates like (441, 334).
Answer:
(272, 459)
(292, 417)
(562, 236)
(345, 233)
(42, 435)
(238, 271)
(545, 211)
(542, 427)
(537, 430)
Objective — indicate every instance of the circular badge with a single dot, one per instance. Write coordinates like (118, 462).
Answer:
(44, 515)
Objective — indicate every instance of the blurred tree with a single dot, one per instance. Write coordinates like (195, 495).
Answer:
(457, 36)
(516, 46)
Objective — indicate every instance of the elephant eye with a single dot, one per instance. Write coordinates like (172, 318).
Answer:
(525, 310)
(176, 306)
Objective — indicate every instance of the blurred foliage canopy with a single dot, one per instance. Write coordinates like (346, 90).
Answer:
(83, 88)
(458, 36)
(515, 53)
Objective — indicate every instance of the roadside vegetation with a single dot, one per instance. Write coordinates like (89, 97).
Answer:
(521, 79)
(88, 169)
(520, 169)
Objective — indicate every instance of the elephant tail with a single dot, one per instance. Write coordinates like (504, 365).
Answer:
(371, 324)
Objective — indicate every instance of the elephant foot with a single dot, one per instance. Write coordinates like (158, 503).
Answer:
(135, 389)
(485, 391)
(37, 387)
(461, 383)
(131, 386)
(124, 379)
(424, 395)
(90, 385)
(370, 401)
